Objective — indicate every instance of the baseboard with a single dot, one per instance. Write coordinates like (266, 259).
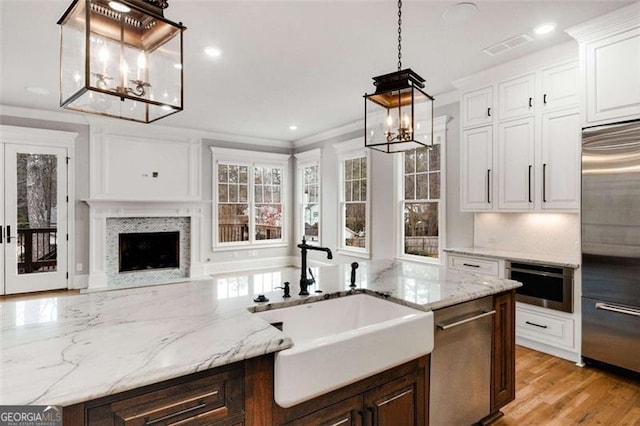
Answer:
(548, 349)
(79, 282)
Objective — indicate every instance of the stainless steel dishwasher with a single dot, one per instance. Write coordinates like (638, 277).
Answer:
(461, 364)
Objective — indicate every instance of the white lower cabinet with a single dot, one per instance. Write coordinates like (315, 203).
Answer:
(547, 330)
(476, 265)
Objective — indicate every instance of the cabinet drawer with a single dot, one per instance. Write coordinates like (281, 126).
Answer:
(545, 328)
(200, 401)
(470, 264)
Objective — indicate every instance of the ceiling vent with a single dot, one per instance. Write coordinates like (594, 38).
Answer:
(507, 45)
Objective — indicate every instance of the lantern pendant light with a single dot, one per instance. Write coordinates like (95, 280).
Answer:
(399, 115)
(121, 59)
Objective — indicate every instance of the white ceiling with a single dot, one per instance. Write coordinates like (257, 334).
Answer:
(293, 62)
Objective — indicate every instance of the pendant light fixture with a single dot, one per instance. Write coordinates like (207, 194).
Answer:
(399, 115)
(121, 59)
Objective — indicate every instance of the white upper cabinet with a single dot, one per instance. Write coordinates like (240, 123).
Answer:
(477, 107)
(561, 142)
(560, 86)
(528, 154)
(516, 97)
(476, 154)
(610, 66)
(515, 164)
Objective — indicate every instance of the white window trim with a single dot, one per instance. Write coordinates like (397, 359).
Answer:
(306, 159)
(439, 137)
(245, 158)
(353, 148)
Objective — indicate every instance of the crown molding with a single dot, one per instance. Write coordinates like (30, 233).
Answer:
(613, 22)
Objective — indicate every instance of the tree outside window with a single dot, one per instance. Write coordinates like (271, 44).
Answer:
(311, 202)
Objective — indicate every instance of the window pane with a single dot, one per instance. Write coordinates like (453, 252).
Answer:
(311, 221)
(277, 177)
(347, 190)
(409, 187)
(356, 191)
(277, 197)
(355, 222)
(258, 194)
(242, 197)
(268, 222)
(434, 186)
(410, 162)
(266, 194)
(422, 188)
(363, 167)
(266, 176)
(363, 190)
(356, 168)
(233, 222)
(244, 171)
(257, 175)
(311, 174)
(421, 229)
(421, 159)
(348, 169)
(223, 193)
(233, 193)
(222, 173)
(434, 158)
(233, 174)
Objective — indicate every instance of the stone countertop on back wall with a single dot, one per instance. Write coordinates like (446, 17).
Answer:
(68, 349)
(516, 256)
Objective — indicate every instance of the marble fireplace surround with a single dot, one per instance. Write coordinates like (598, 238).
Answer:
(108, 217)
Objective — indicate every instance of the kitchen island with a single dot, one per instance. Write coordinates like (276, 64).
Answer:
(73, 349)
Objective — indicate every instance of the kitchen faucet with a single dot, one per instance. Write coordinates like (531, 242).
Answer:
(304, 281)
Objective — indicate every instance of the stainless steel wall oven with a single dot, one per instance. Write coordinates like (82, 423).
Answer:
(543, 285)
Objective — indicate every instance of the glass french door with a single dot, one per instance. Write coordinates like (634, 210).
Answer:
(33, 214)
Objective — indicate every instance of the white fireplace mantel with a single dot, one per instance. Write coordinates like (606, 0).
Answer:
(102, 209)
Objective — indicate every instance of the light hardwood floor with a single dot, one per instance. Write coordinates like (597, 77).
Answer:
(552, 391)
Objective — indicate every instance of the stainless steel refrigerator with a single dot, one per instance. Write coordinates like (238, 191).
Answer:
(611, 245)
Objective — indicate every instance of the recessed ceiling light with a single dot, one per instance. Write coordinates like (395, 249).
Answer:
(37, 90)
(119, 7)
(459, 12)
(293, 127)
(544, 28)
(214, 52)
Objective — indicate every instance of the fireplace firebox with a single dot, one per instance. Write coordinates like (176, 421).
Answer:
(140, 251)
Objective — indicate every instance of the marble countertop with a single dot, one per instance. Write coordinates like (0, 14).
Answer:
(68, 349)
(516, 256)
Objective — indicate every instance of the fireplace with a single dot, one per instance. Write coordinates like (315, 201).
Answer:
(148, 250)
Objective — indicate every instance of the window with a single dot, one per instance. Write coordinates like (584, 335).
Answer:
(250, 197)
(309, 211)
(420, 202)
(354, 198)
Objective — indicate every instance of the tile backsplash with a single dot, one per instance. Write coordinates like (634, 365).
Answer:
(556, 234)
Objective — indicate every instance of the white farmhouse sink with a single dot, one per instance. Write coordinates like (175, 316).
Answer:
(340, 341)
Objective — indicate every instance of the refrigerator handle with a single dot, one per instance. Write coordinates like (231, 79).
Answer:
(619, 309)
(544, 183)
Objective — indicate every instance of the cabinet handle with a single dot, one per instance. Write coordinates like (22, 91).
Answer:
(618, 309)
(544, 99)
(393, 398)
(544, 183)
(530, 102)
(530, 167)
(489, 112)
(466, 320)
(489, 186)
(536, 325)
(8, 234)
(176, 414)
(363, 417)
(1, 233)
(471, 264)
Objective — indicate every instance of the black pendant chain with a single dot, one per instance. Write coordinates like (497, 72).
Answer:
(399, 35)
